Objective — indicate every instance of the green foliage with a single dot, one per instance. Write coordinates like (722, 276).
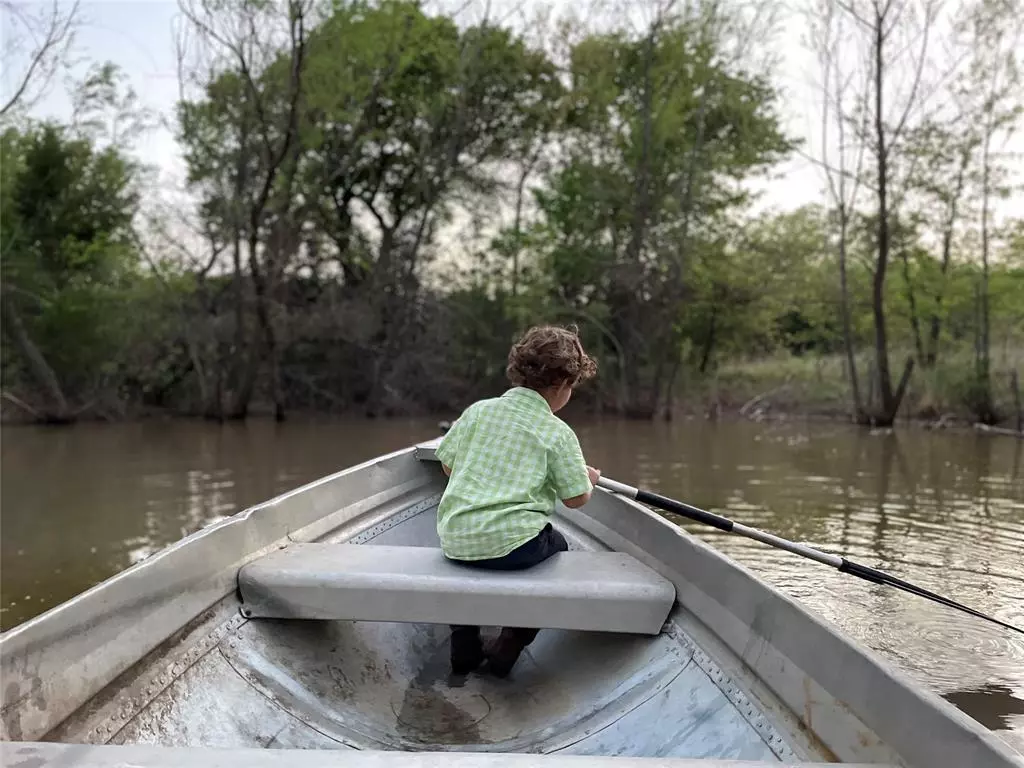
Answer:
(67, 246)
(770, 285)
(68, 211)
(327, 167)
(631, 222)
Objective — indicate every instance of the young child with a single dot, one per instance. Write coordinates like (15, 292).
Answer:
(509, 459)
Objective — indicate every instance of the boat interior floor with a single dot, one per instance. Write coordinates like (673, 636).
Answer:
(379, 686)
(342, 684)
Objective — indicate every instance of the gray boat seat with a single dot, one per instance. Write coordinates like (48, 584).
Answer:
(597, 591)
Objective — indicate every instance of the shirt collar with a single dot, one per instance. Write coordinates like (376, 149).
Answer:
(525, 393)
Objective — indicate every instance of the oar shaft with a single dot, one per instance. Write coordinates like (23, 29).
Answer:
(790, 546)
(730, 526)
(841, 563)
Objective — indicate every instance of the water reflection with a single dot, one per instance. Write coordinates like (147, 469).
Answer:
(991, 705)
(942, 510)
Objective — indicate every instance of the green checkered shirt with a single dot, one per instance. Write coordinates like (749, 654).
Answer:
(511, 460)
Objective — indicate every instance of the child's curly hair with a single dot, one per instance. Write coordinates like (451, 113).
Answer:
(547, 355)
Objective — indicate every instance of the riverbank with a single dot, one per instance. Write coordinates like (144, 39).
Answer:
(788, 386)
(769, 388)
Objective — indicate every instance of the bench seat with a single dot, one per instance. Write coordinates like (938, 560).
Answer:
(596, 591)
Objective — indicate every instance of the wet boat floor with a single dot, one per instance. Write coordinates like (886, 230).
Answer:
(388, 686)
(377, 686)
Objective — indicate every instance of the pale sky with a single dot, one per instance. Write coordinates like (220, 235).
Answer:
(138, 36)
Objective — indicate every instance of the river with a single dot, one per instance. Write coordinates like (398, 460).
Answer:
(944, 510)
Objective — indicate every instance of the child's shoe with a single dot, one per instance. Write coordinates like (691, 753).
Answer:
(467, 650)
(503, 652)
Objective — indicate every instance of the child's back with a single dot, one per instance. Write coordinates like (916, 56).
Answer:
(510, 459)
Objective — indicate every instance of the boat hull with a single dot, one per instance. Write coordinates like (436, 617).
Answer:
(161, 655)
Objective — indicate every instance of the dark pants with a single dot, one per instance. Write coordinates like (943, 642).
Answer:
(467, 650)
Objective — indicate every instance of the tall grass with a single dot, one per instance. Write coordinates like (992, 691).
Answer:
(818, 384)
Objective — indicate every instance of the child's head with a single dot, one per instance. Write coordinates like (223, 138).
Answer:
(550, 360)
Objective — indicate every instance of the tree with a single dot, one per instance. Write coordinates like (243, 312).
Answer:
(944, 154)
(400, 114)
(446, 112)
(243, 146)
(890, 41)
(992, 85)
(842, 157)
(67, 234)
(660, 128)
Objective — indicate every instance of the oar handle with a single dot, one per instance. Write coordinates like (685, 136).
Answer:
(694, 513)
(667, 504)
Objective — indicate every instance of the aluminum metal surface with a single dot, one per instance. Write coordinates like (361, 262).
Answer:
(23, 755)
(597, 591)
(371, 685)
(855, 705)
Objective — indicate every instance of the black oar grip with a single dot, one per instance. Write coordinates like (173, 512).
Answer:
(694, 513)
(866, 572)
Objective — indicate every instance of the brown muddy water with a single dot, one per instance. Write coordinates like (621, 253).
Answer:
(944, 510)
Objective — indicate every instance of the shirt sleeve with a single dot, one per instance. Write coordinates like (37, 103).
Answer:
(448, 449)
(567, 468)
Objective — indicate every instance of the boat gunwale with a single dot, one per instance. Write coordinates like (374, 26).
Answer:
(35, 755)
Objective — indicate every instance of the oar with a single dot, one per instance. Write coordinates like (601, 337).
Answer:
(841, 563)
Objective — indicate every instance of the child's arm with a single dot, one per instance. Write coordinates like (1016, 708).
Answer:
(448, 449)
(577, 501)
(572, 478)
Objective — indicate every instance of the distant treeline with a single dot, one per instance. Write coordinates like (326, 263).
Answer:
(330, 152)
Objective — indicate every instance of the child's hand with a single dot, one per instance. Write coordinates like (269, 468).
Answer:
(595, 475)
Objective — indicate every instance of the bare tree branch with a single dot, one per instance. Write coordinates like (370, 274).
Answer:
(912, 101)
(56, 35)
